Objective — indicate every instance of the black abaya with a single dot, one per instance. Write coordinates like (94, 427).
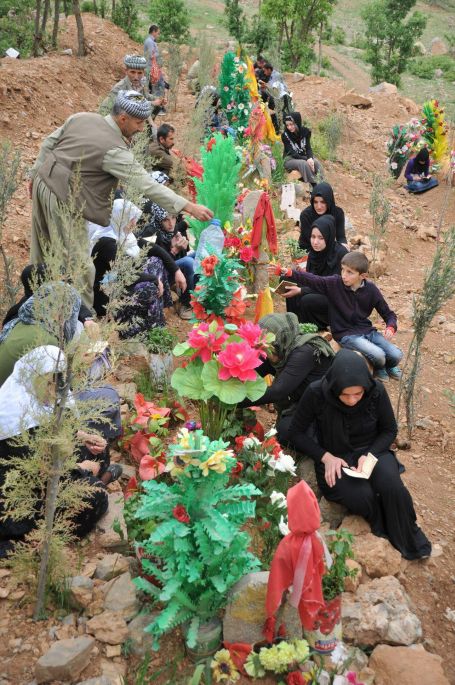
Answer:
(349, 433)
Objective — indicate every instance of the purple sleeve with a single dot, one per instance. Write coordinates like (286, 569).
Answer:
(385, 312)
(409, 169)
(320, 284)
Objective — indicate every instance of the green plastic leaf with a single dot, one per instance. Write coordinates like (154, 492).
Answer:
(219, 582)
(228, 392)
(255, 389)
(191, 635)
(181, 348)
(188, 383)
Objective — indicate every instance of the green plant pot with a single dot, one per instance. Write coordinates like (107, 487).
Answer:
(161, 368)
(208, 641)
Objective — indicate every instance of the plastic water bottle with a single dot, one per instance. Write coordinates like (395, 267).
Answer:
(210, 242)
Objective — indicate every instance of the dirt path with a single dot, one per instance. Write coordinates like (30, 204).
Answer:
(355, 76)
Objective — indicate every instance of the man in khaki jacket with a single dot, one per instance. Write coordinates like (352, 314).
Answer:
(97, 149)
(134, 79)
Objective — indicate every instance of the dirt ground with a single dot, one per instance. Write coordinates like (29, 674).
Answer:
(36, 96)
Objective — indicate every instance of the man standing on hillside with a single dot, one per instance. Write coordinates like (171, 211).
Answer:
(155, 64)
(134, 79)
(96, 148)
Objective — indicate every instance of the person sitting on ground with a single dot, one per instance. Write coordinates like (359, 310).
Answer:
(324, 259)
(26, 399)
(33, 328)
(295, 360)
(339, 420)
(351, 299)
(136, 80)
(159, 150)
(322, 202)
(417, 173)
(276, 86)
(258, 67)
(298, 155)
(192, 78)
(150, 290)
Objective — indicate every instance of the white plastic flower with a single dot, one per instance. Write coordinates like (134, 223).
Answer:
(251, 442)
(283, 463)
(339, 654)
(270, 433)
(279, 499)
(393, 165)
(241, 105)
(283, 526)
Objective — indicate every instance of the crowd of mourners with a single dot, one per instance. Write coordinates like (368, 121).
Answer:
(332, 407)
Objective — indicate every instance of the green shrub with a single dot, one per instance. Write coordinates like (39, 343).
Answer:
(325, 63)
(319, 145)
(424, 67)
(87, 6)
(17, 31)
(125, 15)
(279, 173)
(332, 129)
(338, 36)
(173, 18)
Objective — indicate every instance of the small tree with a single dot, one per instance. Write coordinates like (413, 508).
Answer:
(9, 167)
(438, 288)
(126, 16)
(235, 19)
(390, 38)
(173, 18)
(380, 209)
(82, 48)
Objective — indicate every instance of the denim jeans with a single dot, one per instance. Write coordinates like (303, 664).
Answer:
(379, 351)
(186, 264)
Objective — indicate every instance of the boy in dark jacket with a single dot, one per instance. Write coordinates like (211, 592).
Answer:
(351, 300)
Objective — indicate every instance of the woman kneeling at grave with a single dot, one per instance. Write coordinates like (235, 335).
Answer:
(339, 421)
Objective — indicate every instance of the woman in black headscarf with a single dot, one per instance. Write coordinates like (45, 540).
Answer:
(322, 203)
(295, 360)
(351, 415)
(298, 155)
(324, 259)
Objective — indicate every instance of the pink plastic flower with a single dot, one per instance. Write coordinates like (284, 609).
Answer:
(151, 467)
(250, 332)
(206, 342)
(238, 360)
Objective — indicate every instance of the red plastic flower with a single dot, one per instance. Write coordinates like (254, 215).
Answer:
(250, 332)
(198, 310)
(131, 487)
(180, 513)
(236, 309)
(210, 144)
(138, 445)
(209, 263)
(151, 467)
(239, 440)
(206, 342)
(246, 254)
(146, 410)
(257, 466)
(296, 678)
(238, 360)
(232, 241)
(238, 468)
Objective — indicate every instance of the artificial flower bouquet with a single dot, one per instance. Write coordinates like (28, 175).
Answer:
(198, 548)
(263, 463)
(219, 369)
(237, 242)
(219, 293)
(403, 141)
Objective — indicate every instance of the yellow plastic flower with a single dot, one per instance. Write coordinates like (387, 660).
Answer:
(223, 667)
(217, 462)
(278, 657)
(183, 436)
(302, 651)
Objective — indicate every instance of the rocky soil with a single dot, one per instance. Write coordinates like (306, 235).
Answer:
(36, 96)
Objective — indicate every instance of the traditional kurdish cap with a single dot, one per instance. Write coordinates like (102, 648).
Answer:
(134, 104)
(135, 62)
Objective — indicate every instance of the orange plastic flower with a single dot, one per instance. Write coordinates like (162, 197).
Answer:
(209, 263)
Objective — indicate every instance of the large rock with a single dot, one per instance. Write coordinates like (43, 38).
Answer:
(384, 88)
(352, 583)
(355, 100)
(377, 556)
(111, 566)
(355, 525)
(120, 596)
(332, 512)
(438, 47)
(109, 627)
(100, 680)
(305, 470)
(245, 615)
(139, 641)
(406, 666)
(65, 660)
(111, 522)
(80, 592)
(380, 611)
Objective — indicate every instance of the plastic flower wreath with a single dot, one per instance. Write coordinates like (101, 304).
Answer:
(198, 548)
(219, 369)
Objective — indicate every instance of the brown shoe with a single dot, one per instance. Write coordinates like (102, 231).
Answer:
(185, 313)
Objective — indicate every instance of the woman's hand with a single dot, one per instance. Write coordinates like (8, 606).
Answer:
(180, 280)
(160, 288)
(92, 466)
(292, 291)
(332, 468)
(95, 444)
(360, 464)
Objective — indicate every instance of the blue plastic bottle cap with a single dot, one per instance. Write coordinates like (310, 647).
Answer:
(215, 222)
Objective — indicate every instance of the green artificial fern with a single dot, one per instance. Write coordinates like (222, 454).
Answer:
(198, 550)
(218, 188)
